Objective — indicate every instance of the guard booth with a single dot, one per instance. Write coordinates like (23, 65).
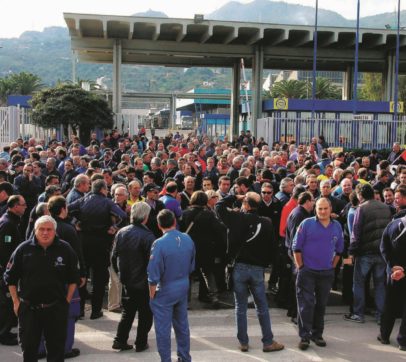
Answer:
(215, 125)
(373, 125)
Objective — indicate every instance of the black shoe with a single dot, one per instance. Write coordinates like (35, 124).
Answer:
(304, 344)
(294, 320)
(74, 352)
(12, 335)
(382, 340)
(141, 348)
(121, 346)
(205, 299)
(319, 341)
(8, 341)
(96, 315)
(41, 355)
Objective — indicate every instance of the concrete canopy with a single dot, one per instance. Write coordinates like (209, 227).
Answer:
(186, 42)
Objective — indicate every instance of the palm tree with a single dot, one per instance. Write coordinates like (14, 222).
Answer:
(289, 89)
(325, 89)
(5, 90)
(25, 83)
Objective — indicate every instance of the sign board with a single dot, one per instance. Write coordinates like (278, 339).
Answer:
(281, 104)
(336, 149)
(392, 107)
(363, 117)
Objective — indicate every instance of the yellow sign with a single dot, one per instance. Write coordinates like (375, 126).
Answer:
(336, 149)
(281, 104)
(392, 107)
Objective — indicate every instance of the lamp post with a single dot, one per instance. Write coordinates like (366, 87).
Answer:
(314, 60)
(355, 96)
(397, 66)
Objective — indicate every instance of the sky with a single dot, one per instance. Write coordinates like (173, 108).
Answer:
(21, 15)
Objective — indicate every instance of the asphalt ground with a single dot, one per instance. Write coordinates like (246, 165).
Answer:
(213, 337)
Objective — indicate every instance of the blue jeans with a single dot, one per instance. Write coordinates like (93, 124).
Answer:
(312, 291)
(250, 278)
(363, 265)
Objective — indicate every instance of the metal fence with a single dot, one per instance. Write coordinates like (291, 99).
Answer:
(16, 122)
(347, 133)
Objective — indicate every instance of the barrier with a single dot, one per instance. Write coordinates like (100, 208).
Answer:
(347, 133)
(15, 122)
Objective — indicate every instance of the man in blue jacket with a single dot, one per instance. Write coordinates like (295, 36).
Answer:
(171, 262)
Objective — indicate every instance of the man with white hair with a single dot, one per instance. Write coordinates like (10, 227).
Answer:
(81, 186)
(130, 260)
(46, 270)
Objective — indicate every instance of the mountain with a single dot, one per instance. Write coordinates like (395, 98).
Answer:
(276, 12)
(151, 14)
(48, 53)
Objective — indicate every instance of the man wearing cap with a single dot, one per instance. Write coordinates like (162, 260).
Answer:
(107, 160)
(151, 198)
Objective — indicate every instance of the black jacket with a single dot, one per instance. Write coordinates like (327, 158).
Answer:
(94, 212)
(42, 275)
(152, 222)
(130, 255)
(66, 231)
(273, 211)
(10, 237)
(207, 232)
(250, 236)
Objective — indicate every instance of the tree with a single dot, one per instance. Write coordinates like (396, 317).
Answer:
(20, 83)
(372, 88)
(25, 83)
(289, 89)
(70, 105)
(325, 89)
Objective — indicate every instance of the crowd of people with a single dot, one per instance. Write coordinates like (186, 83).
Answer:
(144, 218)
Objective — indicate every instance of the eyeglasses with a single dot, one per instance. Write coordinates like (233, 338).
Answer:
(267, 192)
(23, 205)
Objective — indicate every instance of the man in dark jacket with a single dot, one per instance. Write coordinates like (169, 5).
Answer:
(58, 209)
(10, 238)
(95, 213)
(370, 220)
(28, 186)
(251, 248)
(130, 260)
(6, 190)
(207, 232)
(45, 270)
(151, 192)
(393, 249)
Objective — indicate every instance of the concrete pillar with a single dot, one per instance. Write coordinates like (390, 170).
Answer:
(388, 78)
(172, 116)
(257, 75)
(117, 78)
(235, 100)
(348, 85)
(74, 60)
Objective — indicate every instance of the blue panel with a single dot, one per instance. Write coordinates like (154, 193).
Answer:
(22, 101)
